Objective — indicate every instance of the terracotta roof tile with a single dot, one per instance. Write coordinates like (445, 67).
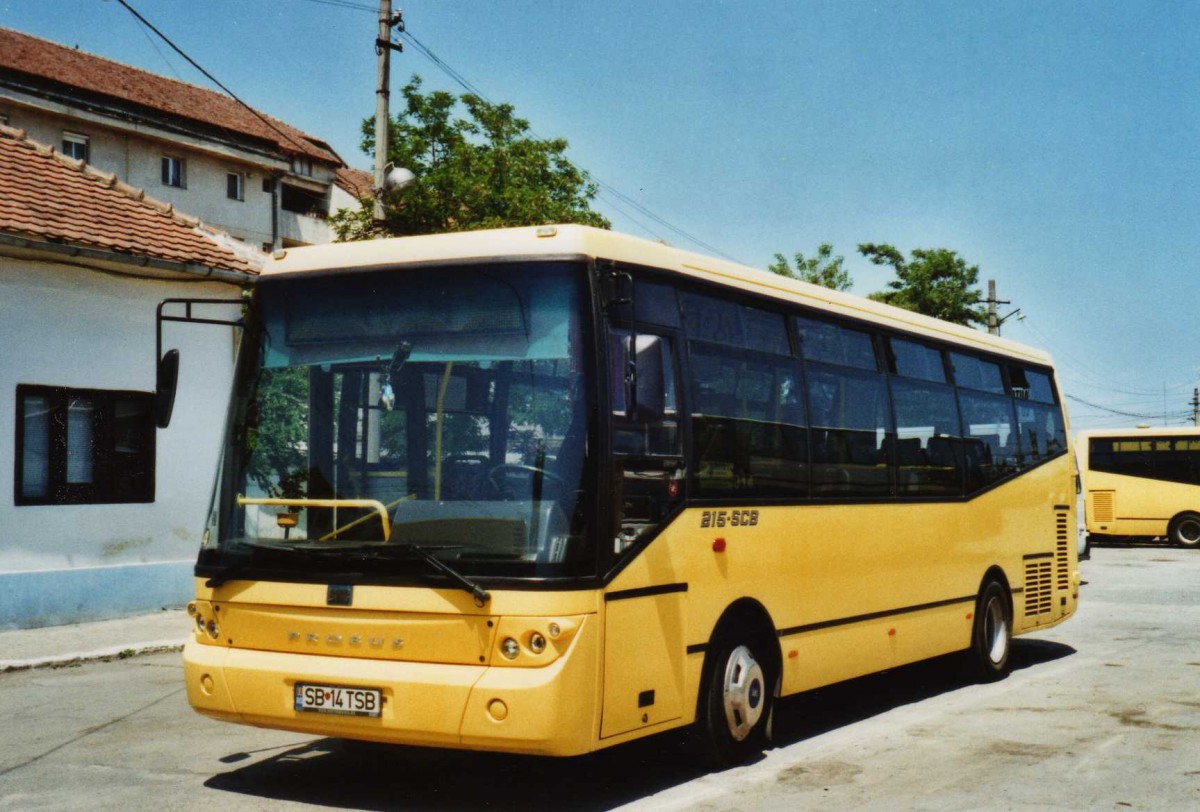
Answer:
(49, 197)
(356, 182)
(50, 62)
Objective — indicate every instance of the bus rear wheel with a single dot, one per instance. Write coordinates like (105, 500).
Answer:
(736, 707)
(991, 634)
(1185, 530)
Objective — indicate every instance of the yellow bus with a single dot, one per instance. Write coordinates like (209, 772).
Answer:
(1141, 483)
(547, 490)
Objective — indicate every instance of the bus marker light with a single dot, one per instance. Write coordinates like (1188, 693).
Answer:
(554, 629)
(793, 654)
(719, 546)
(891, 632)
(970, 615)
(547, 231)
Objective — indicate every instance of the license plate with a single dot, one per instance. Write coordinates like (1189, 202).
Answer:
(338, 699)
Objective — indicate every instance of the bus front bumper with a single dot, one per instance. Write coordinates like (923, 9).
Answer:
(548, 710)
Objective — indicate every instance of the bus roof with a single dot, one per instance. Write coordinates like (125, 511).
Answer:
(1143, 431)
(572, 241)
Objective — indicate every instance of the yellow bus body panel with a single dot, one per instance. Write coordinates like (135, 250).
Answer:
(849, 579)
(1123, 505)
(443, 680)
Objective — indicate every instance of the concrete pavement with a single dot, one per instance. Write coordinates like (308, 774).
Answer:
(100, 640)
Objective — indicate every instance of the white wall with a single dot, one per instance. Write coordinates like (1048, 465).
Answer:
(71, 327)
(137, 161)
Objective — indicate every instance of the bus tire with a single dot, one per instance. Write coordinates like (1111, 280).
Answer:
(736, 707)
(1185, 530)
(991, 633)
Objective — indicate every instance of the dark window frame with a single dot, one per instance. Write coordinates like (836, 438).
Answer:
(116, 477)
(881, 335)
(71, 140)
(176, 180)
(238, 178)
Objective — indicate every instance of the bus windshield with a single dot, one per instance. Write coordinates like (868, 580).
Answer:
(398, 425)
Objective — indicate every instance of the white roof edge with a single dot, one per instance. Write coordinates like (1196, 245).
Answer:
(586, 241)
(1148, 431)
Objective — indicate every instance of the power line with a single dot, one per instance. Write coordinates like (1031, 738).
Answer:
(1142, 415)
(158, 50)
(464, 83)
(303, 147)
(626, 199)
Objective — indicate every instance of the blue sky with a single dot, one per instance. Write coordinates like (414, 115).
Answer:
(1054, 145)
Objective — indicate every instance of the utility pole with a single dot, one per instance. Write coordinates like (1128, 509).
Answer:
(993, 320)
(1196, 407)
(383, 50)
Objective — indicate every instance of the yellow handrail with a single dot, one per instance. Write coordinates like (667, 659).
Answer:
(373, 504)
(362, 519)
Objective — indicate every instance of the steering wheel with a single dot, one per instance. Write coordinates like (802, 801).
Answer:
(532, 471)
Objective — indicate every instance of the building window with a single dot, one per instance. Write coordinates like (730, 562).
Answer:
(302, 201)
(83, 446)
(302, 165)
(174, 172)
(235, 186)
(75, 145)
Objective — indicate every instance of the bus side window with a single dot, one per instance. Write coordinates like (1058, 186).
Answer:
(852, 431)
(930, 456)
(1039, 418)
(647, 472)
(748, 423)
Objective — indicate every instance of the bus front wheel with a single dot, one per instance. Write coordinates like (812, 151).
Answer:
(1185, 530)
(991, 636)
(736, 706)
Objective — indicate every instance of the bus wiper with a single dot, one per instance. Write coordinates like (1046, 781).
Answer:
(231, 571)
(481, 595)
(385, 550)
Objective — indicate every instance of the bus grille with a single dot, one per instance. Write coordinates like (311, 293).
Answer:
(1102, 506)
(1062, 577)
(1039, 586)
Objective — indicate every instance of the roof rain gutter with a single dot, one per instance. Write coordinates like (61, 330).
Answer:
(74, 251)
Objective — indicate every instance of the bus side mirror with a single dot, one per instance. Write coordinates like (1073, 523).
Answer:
(164, 388)
(649, 396)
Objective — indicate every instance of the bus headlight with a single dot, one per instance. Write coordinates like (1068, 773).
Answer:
(534, 642)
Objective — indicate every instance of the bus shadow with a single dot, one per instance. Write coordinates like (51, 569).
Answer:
(333, 773)
(824, 709)
(1133, 544)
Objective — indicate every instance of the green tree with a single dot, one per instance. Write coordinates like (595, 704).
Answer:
(482, 171)
(824, 269)
(277, 428)
(936, 282)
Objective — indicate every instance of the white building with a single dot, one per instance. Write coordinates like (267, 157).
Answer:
(257, 178)
(99, 512)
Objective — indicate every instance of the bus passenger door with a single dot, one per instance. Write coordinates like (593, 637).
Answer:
(644, 611)
(643, 662)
